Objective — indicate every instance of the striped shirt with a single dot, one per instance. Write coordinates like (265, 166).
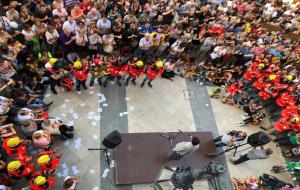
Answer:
(71, 2)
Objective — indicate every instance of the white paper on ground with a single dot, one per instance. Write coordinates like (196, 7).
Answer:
(127, 98)
(64, 106)
(47, 95)
(112, 164)
(64, 165)
(206, 105)
(66, 143)
(75, 171)
(67, 100)
(121, 114)
(91, 92)
(71, 123)
(92, 171)
(94, 123)
(59, 174)
(95, 137)
(95, 188)
(105, 104)
(102, 97)
(131, 108)
(125, 113)
(105, 172)
(71, 111)
(91, 87)
(78, 92)
(99, 110)
(63, 115)
(82, 104)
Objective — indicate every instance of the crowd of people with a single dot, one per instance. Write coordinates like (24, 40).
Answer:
(250, 47)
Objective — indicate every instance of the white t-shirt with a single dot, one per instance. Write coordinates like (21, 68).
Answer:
(3, 104)
(70, 26)
(51, 35)
(28, 35)
(62, 13)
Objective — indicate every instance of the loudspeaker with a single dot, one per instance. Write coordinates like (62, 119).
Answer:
(112, 140)
(258, 139)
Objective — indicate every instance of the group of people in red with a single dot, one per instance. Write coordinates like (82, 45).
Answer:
(272, 82)
(104, 69)
(22, 165)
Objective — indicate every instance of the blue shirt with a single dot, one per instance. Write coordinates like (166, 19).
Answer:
(103, 25)
(146, 30)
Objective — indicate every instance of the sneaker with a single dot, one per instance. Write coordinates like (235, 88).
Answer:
(150, 85)
(232, 160)
(133, 82)
(49, 104)
(84, 86)
(53, 91)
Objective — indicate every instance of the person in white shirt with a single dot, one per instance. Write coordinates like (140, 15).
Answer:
(144, 45)
(61, 12)
(231, 139)
(51, 37)
(28, 32)
(70, 24)
(183, 148)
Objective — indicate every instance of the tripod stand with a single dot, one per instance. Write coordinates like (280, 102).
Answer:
(227, 150)
(170, 137)
(105, 151)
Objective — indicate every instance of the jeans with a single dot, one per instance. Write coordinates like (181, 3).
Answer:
(242, 159)
(218, 143)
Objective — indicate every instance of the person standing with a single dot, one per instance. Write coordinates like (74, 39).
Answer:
(231, 139)
(135, 70)
(81, 74)
(183, 148)
(145, 45)
(153, 71)
(253, 154)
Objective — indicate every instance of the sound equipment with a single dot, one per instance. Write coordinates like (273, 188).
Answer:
(112, 140)
(258, 139)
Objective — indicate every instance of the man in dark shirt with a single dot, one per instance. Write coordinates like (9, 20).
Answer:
(66, 40)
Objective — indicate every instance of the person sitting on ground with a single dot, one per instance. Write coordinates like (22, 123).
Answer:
(56, 127)
(291, 152)
(289, 139)
(41, 139)
(70, 182)
(7, 131)
(183, 148)
(253, 154)
(231, 139)
(254, 119)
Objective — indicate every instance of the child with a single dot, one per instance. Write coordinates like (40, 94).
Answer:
(98, 70)
(153, 71)
(81, 73)
(136, 69)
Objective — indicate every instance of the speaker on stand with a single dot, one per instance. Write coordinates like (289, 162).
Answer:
(111, 141)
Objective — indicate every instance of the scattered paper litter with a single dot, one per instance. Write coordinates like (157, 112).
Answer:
(64, 165)
(65, 172)
(59, 174)
(127, 98)
(94, 123)
(206, 105)
(112, 164)
(92, 171)
(63, 115)
(91, 87)
(77, 143)
(95, 137)
(105, 105)
(121, 114)
(125, 113)
(102, 97)
(105, 172)
(112, 82)
(78, 92)
(91, 92)
(47, 95)
(89, 117)
(70, 123)
(99, 110)
(131, 108)
(66, 143)
(75, 116)
(64, 106)
(75, 171)
(96, 118)
(95, 188)
(82, 104)
(91, 113)
(67, 100)
(71, 111)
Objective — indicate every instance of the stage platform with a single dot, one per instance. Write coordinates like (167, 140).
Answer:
(140, 156)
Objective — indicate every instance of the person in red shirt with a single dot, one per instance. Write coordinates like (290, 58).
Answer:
(136, 70)
(15, 146)
(153, 71)
(20, 167)
(86, 6)
(48, 161)
(41, 181)
(80, 71)
(116, 70)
